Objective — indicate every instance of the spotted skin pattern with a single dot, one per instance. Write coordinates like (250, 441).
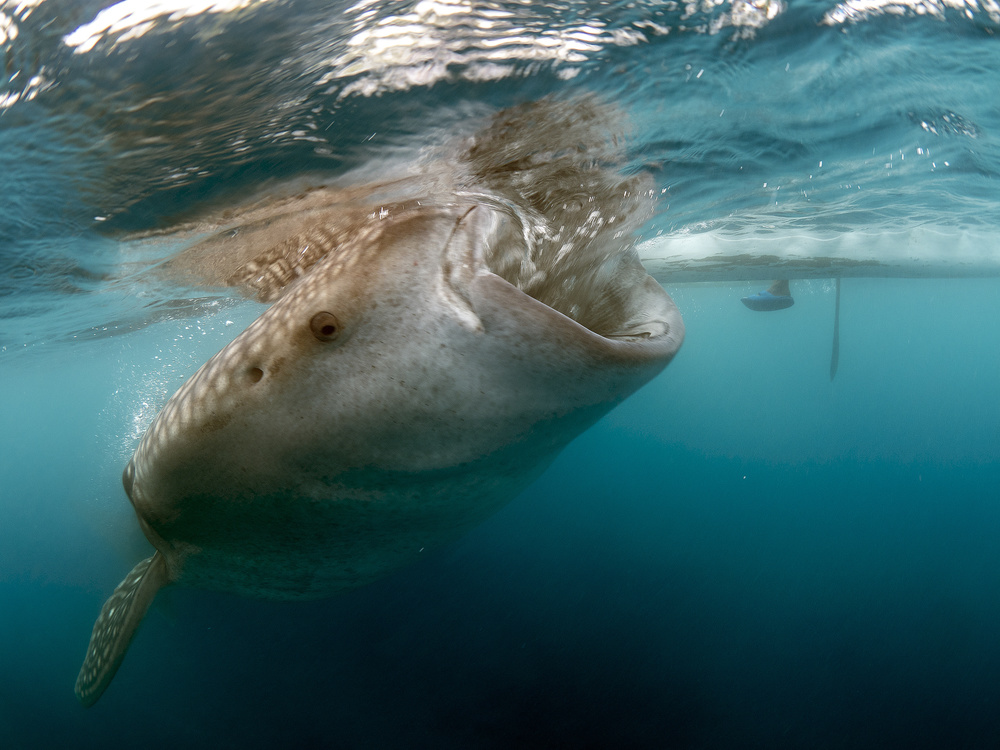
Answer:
(295, 464)
(116, 626)
(422, 363)
(210, 390)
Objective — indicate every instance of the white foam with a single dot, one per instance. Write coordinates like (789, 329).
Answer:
(925, 251)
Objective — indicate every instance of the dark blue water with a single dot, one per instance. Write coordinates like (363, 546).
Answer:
(744, 554)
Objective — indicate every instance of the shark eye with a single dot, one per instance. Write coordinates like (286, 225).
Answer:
(324, 326)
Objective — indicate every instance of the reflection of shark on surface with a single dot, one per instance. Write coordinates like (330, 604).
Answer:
(425, 359)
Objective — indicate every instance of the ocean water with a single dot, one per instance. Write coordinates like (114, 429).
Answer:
(745, 553)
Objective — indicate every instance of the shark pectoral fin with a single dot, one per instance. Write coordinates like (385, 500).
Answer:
(116, 625)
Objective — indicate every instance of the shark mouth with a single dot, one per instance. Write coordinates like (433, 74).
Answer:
(552, 175)
(555, 170)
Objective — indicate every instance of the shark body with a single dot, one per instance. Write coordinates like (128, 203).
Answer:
(424, 361)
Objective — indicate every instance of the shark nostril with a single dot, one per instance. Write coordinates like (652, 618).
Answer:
(324, 326)
(255, 374)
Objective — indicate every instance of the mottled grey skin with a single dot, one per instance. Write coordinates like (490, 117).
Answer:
(398, 392)
(293, 467)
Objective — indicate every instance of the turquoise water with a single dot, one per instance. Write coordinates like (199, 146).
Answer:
(743, 554)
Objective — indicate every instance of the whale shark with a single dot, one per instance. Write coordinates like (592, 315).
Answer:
(425, 358)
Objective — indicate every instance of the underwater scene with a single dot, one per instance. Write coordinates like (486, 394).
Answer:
(460, 374)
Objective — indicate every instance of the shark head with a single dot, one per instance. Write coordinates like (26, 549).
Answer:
(423, 361)
(401, 365)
